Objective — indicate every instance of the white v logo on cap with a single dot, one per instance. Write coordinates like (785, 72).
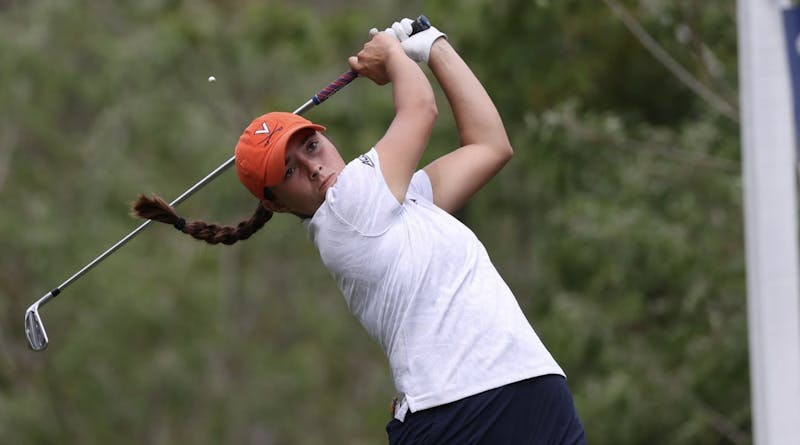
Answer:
(264, 129)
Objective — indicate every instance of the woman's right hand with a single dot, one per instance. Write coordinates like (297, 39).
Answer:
(373, 60)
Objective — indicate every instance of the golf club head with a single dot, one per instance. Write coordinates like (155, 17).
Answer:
(34, 328)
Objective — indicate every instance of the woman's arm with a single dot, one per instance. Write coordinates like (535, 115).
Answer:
(383, 60)
(485, 147)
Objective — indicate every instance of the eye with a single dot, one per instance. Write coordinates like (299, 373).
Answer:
(289, 172)
(312, 145)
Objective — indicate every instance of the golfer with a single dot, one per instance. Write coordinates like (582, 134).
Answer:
(467, 364)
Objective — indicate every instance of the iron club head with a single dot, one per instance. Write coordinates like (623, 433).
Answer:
(34, 328)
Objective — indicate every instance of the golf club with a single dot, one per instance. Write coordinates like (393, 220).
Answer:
(34, 328)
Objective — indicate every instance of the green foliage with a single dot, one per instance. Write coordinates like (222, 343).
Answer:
(617, 223)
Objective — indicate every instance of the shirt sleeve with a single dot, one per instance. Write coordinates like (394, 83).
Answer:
(421, 185)
(362, 199)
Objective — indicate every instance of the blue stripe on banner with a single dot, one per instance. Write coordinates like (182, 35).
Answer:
(791, 24)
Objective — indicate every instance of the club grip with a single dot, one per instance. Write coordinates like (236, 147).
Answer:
(420, 24)
(334, 86)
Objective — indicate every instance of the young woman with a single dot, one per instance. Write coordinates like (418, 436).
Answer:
(469, 367)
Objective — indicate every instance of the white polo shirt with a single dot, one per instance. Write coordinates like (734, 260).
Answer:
(423, 286)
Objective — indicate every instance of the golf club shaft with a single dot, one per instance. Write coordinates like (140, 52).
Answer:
(317, 99)
(420, 24)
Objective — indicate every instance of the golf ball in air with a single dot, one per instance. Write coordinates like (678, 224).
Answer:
(212, 79)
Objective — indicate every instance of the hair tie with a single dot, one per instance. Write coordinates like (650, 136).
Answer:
(180, 224)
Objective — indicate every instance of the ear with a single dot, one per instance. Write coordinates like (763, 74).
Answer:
(274, 205)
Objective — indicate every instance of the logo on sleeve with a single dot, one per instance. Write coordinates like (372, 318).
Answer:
(366, 160)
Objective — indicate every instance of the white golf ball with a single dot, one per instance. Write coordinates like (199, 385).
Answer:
(212, 79)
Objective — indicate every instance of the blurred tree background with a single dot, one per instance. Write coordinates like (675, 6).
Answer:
(618, 223)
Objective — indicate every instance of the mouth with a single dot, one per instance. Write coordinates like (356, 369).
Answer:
(329, 181)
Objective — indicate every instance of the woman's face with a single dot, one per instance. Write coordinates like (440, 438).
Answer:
(312, 167)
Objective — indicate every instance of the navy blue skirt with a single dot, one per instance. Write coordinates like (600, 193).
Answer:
(534, 411)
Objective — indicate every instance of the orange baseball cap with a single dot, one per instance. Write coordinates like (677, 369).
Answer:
(261, 150)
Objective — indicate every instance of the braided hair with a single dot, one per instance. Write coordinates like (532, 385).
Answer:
(157, 209)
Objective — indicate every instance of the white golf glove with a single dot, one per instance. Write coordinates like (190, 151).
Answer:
(418, 46)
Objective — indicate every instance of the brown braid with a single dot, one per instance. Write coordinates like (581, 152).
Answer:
(157, 209)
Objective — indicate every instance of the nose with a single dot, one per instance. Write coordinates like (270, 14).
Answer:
(315, 172)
